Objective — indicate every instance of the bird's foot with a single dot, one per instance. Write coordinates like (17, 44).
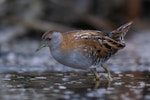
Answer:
(97, 76)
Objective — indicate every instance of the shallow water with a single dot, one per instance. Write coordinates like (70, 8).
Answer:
(26, 75)
(55, 85)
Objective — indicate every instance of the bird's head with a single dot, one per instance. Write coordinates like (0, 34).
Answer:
(49, 39)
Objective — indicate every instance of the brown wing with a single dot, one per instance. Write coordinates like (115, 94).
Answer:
(91, 43)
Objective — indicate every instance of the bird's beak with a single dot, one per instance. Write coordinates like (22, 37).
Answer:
(42, 45)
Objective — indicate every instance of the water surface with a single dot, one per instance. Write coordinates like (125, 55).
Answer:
(71, 85)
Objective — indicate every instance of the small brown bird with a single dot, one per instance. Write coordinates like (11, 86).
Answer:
(85, 48)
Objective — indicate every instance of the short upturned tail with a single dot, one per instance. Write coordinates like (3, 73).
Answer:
(120, 32)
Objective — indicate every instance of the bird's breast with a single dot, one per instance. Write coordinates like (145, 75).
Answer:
(73, 59)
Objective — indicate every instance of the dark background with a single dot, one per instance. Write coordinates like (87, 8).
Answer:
(22, 23)
(33, 17)
(29, 75)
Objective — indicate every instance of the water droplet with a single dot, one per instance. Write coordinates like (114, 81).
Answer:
(65, 79)
(118, 83)
(61, 87)
(41, 77)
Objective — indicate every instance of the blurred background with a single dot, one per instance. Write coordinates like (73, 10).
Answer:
(22, 23)
(29, 75)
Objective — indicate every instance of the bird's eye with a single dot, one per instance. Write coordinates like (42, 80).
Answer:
(48, 39)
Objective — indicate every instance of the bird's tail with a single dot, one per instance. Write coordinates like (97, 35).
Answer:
(120, 32)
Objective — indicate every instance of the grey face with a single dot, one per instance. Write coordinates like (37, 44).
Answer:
(46, 39)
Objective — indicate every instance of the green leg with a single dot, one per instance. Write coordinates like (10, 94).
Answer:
(96, 74)
(108, 72)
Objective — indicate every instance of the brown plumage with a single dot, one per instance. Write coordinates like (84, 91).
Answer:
(85, 48)
(90, 42)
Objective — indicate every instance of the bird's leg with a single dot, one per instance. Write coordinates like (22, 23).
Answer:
(108, 72)
(96, 74)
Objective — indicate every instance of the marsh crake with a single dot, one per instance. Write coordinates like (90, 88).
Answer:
(85, 48)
